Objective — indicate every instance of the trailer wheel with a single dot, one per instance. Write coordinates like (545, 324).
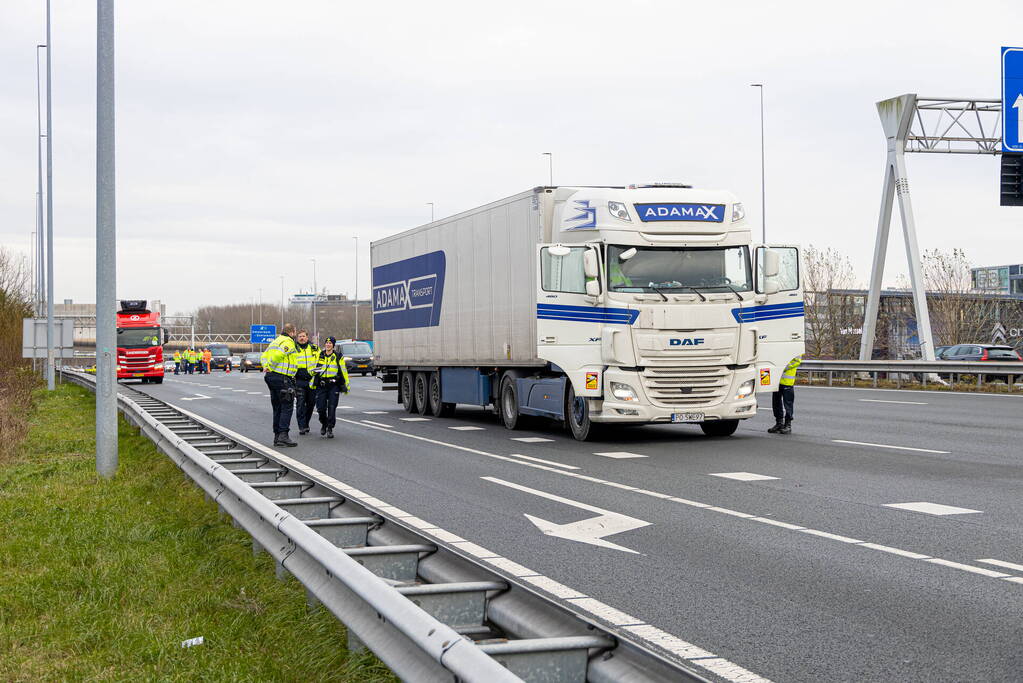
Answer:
(577, 416)
(407, 400)
(438, 407)
(421, 398)
(719, 427)
(510, 404)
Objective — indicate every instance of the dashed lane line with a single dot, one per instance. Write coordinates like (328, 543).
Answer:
(878, 400)
(637, 627)
(620, 455)
(692, 503)
(1004, 564)
(881, 445)
(414, 419)
(531, 439)
(467, 428)
(742, 476)
(546, 462)
(932, 508)
(377, 424)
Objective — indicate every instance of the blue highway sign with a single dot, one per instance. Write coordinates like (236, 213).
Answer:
(262, 334)
(1012, 99)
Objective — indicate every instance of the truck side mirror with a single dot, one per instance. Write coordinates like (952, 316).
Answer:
(590, 267)
(771, 286)
(771, 264)
(592, 288)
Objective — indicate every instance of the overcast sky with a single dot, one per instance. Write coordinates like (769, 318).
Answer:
(253, 136)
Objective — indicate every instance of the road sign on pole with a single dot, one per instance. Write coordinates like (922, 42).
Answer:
(262, 334)
(1012, 99)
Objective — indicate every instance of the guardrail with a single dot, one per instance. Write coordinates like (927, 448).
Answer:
(428, 613)
(927, 370)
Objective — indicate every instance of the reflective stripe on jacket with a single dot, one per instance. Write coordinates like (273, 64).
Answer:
(177, 356)
(305, 359)
(788, 378)
(279, 357)
(328, 367)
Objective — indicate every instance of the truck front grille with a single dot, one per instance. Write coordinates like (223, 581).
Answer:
(686, 387)
(137, 363)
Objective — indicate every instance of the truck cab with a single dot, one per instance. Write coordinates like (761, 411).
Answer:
(659, 307)
(140, 342)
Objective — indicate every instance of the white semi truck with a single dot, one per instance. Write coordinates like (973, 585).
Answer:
(588, 305)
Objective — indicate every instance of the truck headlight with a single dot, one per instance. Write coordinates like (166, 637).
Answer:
(623, 392)
(738, 212)
(745, 389)
(619, 211)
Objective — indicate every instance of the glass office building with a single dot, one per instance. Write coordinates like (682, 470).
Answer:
(999, 279)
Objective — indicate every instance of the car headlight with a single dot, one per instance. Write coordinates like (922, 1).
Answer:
(623, 392)
(157, 366)
(619, 211)
(746, 389)
(738, 212)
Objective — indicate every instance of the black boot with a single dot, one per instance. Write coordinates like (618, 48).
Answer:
(284, 440)
(330, 433)
(786, 428)
(323, 431)
(303, 431)
(778, 426)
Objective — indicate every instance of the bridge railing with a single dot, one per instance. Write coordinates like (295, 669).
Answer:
(916, 371)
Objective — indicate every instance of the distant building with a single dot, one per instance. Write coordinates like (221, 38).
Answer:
(999, 279)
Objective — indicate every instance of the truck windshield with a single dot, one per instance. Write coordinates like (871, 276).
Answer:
(356, 349)
(678, 269)
(138, 337)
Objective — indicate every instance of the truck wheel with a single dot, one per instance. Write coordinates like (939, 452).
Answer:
(407, 400)
(510, 404)
(421, 398)
(438, 407)
(157, 380)
(577, 416)
(719, 427)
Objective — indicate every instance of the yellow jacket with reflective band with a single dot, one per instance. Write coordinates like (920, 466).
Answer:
(328, 367)
(280, 356)
(190, 356)
(177, 356)
(788, 378)
(305, 359)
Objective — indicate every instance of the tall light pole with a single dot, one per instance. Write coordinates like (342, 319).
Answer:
(49, 209)
(40, 270)
(106, 245)
(431, 211)
(356, 335)
(550, 166)
(282, 304)
(315, 294)
(763, 188)
(260, 305)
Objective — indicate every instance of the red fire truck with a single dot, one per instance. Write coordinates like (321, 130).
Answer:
(139, 343)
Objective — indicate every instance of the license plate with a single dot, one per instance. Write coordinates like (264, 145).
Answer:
(139, 374)
(687, 417)
(363, 366)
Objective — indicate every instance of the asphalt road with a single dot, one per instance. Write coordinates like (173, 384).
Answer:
(801, 572)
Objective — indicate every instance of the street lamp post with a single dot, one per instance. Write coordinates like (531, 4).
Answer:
(39, 269)
(763, 190)
(550, 166)
(282, 304)
(49, 210)
(356, 335)
(316, 337)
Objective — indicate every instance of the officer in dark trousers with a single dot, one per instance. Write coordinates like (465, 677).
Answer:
(783, 401)
(279, 365)
(330, 380)
(305, 362)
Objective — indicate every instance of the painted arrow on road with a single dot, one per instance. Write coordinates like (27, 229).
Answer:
(591, 530)
(197, 397)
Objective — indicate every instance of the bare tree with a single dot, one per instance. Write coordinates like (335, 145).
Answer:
(833, 313)
(959, 314)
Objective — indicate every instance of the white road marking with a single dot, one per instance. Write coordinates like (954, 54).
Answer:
(620, 454)
(1014, 579)
(833, 537)
(414, 419)
(605, 612)
(531, 439)
(377, 424)
(546, 462)
(556, 589)
(346, 407)
(967, 568)
(467, 428)
(742, 476)
(879, 400)
(1004, 564)
(374, 412)
(932, 508)
(881, 445)
(253, 393)
(591, 530)
(237, 390)
(692, 503)
(197, 397)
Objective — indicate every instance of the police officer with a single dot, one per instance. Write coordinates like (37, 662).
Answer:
(784, 398)
(330, 380)
(305, 362)
(177, 362)
(279, 367)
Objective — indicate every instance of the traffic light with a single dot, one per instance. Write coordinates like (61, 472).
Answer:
(1012, 179)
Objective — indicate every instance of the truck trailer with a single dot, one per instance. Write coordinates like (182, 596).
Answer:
(588, 305)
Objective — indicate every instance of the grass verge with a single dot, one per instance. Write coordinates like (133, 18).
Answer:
(103, 580)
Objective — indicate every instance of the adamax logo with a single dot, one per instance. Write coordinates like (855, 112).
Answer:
(710, 213)
(687, 341)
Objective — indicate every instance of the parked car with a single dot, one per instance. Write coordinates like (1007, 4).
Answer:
(252, 361)
(939, 352)
(982, 352)
(168, 366)
(236, 362)
(358, 358)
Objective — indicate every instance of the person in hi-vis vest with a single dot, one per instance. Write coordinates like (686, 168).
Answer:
(783, 400)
